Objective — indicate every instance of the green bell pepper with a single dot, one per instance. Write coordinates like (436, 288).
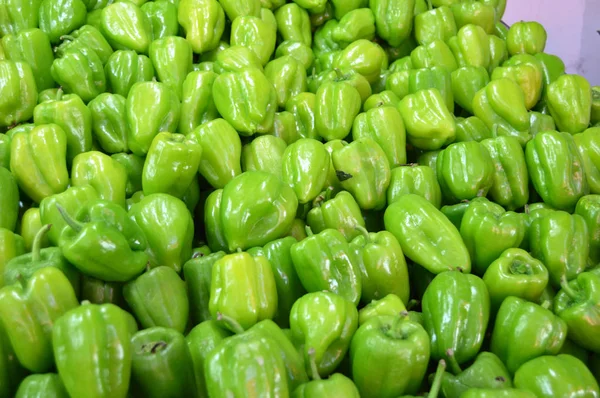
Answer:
(471, 47)
(28, 312)
(562, 375)
(33, 47)
(588, 207)
(426, 236)
(24, 266)
(323, 324)
(435, 24)
(124, 68)
(595, 115)
(357, 24)
(390, 305)
(302, 106)
(288, 77)
(107, 176)
(17, 16)
(109, 125)
(236, 59)
(18, 93)
(540, 122)
(133, 166)
(305, 165)
(503, 117)
(325, 261)
(264, 153)
(335, 386)
(341, 213)
(460, 180)
(569, 99)
(197, 104)
(5, 141)
(298, 50)
(38, 162)
(456, 311)
(31, 224)
(578, 303)
(286, 128)
(525, 330)
(171, 57)
(203, 22)
(385, 98)
(382, 266)
(526, 37)
(198, 274)
(242, 288)
(429, 123)
(60, 17)
(49, 385)
(158, 298)
(488, 230)
(393, 20)
(72, 116)
(480, 13)
(562, 187)
(434, 77)
(92, 349)
(588, 145)
(515, 273)
(253, 114)
(527, 71)
(414, 179)
(337, 103)
(9, 200)
(365, 57)
(151, 108)
(498, 52)
(85, 37)
(466, 82)
(393, 343)
(436, 53)
(126, 27)
(471, 128)
(161, 365)
(162, 15)
(455, 213)
(256, 34)
(97, 291)
(293, 24)
(497, 393)
(11, 246)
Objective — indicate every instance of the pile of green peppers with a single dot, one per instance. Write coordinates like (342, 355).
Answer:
(307, 198)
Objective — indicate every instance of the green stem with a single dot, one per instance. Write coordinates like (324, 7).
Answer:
(546, 304)
(66, 38)
(454, 366)
(231, 323)
(328, 193)
(340, 75)
(526, 208)
(437, 380)
(308, 230)
(564, 284)
(37, 243)
(429, 5)
(364, 232)
(411, 304)
(76, 225)
(59, 94)
(312, 361)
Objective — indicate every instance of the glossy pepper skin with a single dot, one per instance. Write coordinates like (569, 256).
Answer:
(429, 123)
(435, 24)
(198, 274)
(325, 261)
(162, 16)
(390, 305)
(18, 94)
(487, 371)
(569, 100)
(171, 57)
(38, 161)
(562, 187)
(588, 207)
(86, 37)
(243, 288)
(365, 57)
(91, 328)
(336, 106)
(18, 16)
(60, 17)
(510, 178)
(247, 222)
(540, 122)
(526, 37)
(468, 81)
(436, 53)
(450, 325)
(479, 13)
(28, 313)
(515, 273)
(503, 117)
(302, 106)
(257, 34)
(340, 212)
(289, 287)
(158, 298)
(48, 384)
(33, 47)
(31, 224)
(11, 246)
(527, 71)
(382, 266)
(24, 266)
(109, 125)
(440, 250)
(70, 113)
(264, 153)
(151, 108)
(335, 386)
(588, 145)
(305, 165)
(471, 129)
(488, 230)
(9, 200)
(203, 22)
(355, 25)
(164, 219)
(161, 365)
(197, 103)
(124, 68)
(126, 27)
(396, 343)
(414, 179)
(393, 20)
(80, 71)
(288, 77)
(324, 322)
(471, 46)
(539, 330)
(460, 180)
(570, 376)
(107, 176)
(578, 304)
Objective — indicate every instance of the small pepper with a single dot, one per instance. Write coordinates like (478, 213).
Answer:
(197, 103)
(124, 68)
(569, 99)
(526, 37)
(172, 60)
(203, 23)
(18, 93)
(107, 176)
(126, 27)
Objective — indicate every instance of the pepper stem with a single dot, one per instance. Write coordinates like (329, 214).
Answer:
(328, 193)
(546, 304)
(364, 232)
(340, 75)
(37, 242)
(429, 5)
(437, 380)
(66, 38)
(312, 361)
(308, 230)
(454, 366)
(71, 222)
(526, 208)
(411, 304)
(564, 284)
(59, 94)
(230, 322)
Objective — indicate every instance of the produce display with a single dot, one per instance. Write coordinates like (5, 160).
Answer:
(307, 198)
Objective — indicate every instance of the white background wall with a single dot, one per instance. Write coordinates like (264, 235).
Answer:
(572, 27)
